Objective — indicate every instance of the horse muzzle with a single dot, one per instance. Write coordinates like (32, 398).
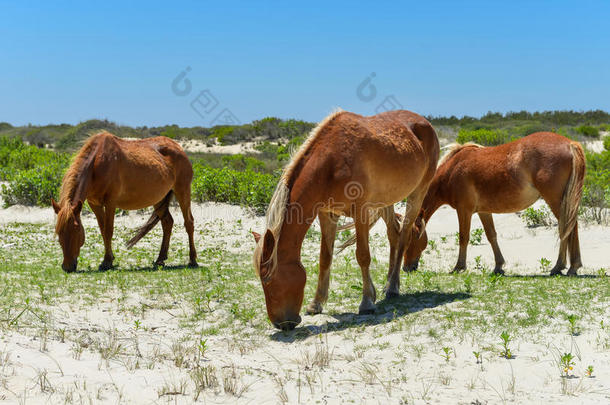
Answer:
(288, 324)
(408, 268)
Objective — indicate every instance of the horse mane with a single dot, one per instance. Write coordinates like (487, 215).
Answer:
(276, 212)
(455, 148)
(74, 176)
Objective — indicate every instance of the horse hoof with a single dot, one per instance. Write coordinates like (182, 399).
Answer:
(457, 271)
(571, 273)
(159, 263)
(105, 266)
(499, 272)
(391, 295)
(368, 311)
(193, 264)
(555, 273)
(313, 309)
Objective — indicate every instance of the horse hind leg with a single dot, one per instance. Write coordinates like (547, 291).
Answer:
(183, 195)
(328, 226)
(555, 205)
(574, 251)
(167, 223)
(492, 237)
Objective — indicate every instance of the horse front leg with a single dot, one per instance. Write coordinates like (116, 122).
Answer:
(328, 227)
(363, 255)
(464, 218)
(107, 231)
(392, 222)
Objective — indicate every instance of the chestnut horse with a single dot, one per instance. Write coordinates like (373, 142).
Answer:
(110, 173)
(350, 165)
(509, 178)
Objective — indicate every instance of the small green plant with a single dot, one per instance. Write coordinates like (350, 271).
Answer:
(567, 364)
(476, 236)
(202, 347)
(572, 320)
(478, 265)
(478, 357)
(545, 264)
(137, 324)
(589, 371)
(468, 283)
(506, 339)
(447, 353)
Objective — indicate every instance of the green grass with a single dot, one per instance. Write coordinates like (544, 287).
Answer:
(226, 295)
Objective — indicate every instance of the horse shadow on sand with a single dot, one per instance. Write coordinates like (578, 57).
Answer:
(387, 310)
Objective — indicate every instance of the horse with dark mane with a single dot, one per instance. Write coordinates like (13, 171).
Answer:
(353, 166)
(508, 178)
(110, 173)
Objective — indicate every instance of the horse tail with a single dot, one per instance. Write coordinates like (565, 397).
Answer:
(572, 193)
(372, 221)
(156, 216)
(373, 218)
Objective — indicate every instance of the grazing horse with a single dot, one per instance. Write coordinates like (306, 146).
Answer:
(509, 178)
(110, 173)
(349, 165)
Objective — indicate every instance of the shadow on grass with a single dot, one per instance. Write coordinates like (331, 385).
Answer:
(546, 276)
(147, 269)
(387, 310)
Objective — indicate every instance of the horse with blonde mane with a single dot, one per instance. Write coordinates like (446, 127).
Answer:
(508, 178)
(353, 166)
(110, 173)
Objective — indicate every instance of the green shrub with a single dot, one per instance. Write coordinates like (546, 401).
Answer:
(536, 217)
(482, 136)
(588, 131)
(34, 186)
(246, 188)
(241, 162)
(607, 143)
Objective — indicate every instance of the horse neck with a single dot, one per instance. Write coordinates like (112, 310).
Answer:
(300, 215)
(79, 186)
(434, 199)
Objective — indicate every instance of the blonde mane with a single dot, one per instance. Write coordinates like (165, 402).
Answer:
(455, 148)
(276, 212)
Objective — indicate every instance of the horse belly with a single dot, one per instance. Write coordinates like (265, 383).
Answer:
(508, 200)
(143, 188)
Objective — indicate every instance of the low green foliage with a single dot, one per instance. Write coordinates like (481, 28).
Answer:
(247, 188)
(536, 217)
(588, 131)
(487, 137)
(476, 236)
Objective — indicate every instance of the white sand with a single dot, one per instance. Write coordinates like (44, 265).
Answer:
(265, 361)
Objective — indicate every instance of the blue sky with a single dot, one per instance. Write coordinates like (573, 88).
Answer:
(68, 62)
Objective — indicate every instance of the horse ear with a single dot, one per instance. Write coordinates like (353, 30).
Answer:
(78, 207)
(56, 206)
(257, 236)
(268, 246)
